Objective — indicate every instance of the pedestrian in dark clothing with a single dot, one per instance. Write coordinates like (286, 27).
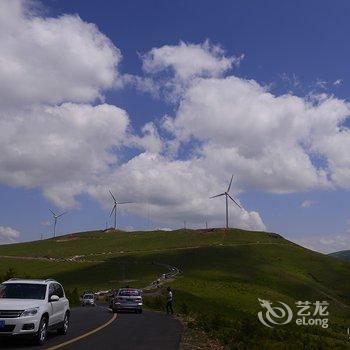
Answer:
(169, 302)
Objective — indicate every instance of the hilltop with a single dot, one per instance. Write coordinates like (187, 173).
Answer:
(343, 254)
(92, 243)
(224, 274)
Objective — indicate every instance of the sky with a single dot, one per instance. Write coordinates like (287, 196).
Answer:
(161, 102)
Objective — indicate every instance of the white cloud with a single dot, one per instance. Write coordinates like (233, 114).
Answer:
(60, 148)
(173, 67)
(174, 191)
(150, 140)
(52, 60)
(142, 84)
(268, 141)
(8, 235)
(189, 60)
(326, 243)
(307, 203)
(338, 82)
(321, 84)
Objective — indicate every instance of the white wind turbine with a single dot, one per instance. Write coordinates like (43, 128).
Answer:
(55, 218)
(114, 209)
(227, 195)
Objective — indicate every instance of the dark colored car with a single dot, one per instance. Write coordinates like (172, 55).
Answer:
(127, 299)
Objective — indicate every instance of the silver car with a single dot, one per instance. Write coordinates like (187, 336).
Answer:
(88, 299)
(127, 299)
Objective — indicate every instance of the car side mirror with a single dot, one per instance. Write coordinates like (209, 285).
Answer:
(54, 298)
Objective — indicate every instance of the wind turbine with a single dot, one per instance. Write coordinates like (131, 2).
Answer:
(55, 218)
(114, 209)
(227, 195)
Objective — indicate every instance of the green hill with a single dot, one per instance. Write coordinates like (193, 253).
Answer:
(344, 254)
(224, 274)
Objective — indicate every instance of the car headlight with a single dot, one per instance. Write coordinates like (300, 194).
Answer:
(30, 312)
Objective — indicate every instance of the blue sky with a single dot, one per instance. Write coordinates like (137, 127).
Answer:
(297, 49)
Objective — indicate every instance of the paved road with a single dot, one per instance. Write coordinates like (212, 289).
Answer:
(148, 331)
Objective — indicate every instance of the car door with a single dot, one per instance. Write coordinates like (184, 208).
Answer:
(61, 304)
(54, 305)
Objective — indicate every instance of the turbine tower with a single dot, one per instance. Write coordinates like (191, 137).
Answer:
(227, 195)
(114, 209)
(55, 218)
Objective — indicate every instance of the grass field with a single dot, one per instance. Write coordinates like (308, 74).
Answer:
(116, 242)
(224, 274)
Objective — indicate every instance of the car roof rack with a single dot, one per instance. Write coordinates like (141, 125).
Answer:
(34, 279)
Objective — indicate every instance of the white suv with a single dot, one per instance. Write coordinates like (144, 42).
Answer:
(32, 307)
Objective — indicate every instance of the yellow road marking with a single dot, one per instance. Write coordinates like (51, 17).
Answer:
(68, 342)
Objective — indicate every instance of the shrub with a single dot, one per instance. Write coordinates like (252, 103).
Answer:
(155, 303)
(183, 308)
(10, 273)
(73, 297)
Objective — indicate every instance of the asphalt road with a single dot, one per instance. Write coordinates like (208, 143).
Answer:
(148, 331)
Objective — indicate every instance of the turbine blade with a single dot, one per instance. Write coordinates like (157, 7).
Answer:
(62, 214)
(114, 206)
(124, 202)
(235, 201)
(112, 196)
(52, 212)
(229, 186)
(218, 195)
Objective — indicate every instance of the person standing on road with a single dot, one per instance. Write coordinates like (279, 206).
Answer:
(169, 302)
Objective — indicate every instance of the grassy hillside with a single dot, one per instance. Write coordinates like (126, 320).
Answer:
(344, 254)
(116, 242)
(224, 274)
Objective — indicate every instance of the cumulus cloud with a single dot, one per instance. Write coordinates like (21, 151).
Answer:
(174, 191)
(173, 67)
(150, 140)
(189, 60)
(60, 148)
(52, 60)
(8, 235)
(48, 67)
(269, 142)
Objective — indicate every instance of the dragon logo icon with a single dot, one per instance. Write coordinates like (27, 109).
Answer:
(274, 315)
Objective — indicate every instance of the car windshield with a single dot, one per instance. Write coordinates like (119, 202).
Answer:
(88, 296)
(129, 293)
(22, 291)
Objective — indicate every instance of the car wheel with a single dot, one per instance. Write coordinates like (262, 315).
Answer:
(41, 335)
(64, 329)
